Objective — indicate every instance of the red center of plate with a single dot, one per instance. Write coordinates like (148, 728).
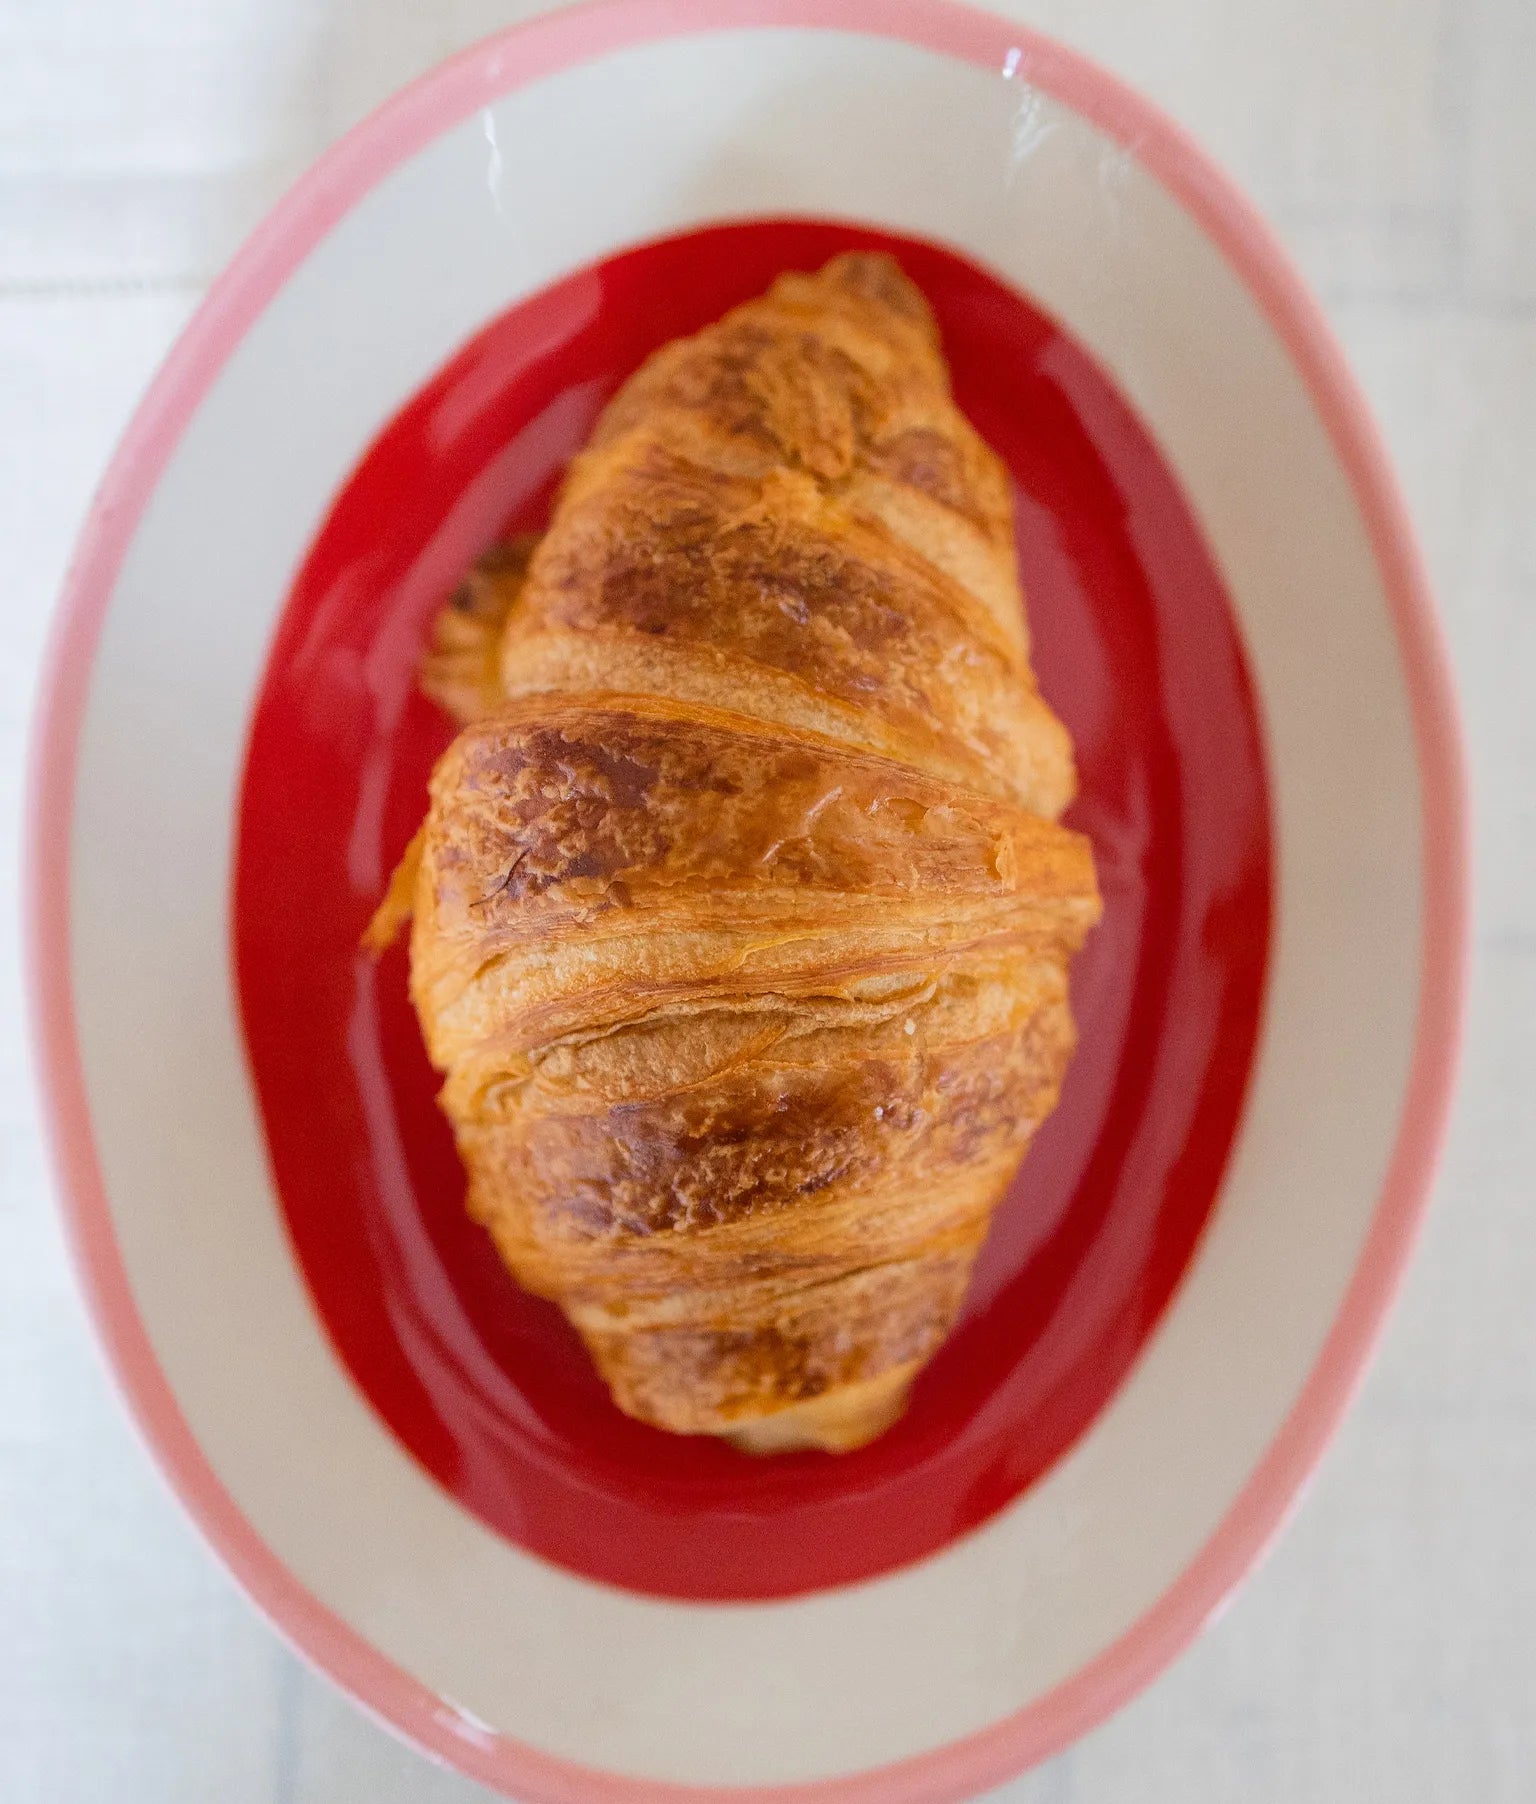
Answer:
(1135, 647)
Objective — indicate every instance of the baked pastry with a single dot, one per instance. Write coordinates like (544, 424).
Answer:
(742, 917)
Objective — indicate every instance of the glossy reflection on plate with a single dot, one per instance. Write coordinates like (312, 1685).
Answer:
(1135, 648)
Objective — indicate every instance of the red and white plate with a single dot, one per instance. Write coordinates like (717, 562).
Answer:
(408, 1464)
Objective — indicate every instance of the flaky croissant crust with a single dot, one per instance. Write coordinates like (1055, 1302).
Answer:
(742, 916)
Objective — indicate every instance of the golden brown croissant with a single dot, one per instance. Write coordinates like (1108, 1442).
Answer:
(742, 918)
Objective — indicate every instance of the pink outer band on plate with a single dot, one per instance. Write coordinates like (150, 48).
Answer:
(398, 129)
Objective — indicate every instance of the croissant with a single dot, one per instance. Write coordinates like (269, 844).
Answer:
(742, 917)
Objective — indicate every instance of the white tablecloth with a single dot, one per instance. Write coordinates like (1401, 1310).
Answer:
(1387, 1651)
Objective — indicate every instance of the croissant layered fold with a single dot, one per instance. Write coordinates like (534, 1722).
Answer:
(742, 917)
